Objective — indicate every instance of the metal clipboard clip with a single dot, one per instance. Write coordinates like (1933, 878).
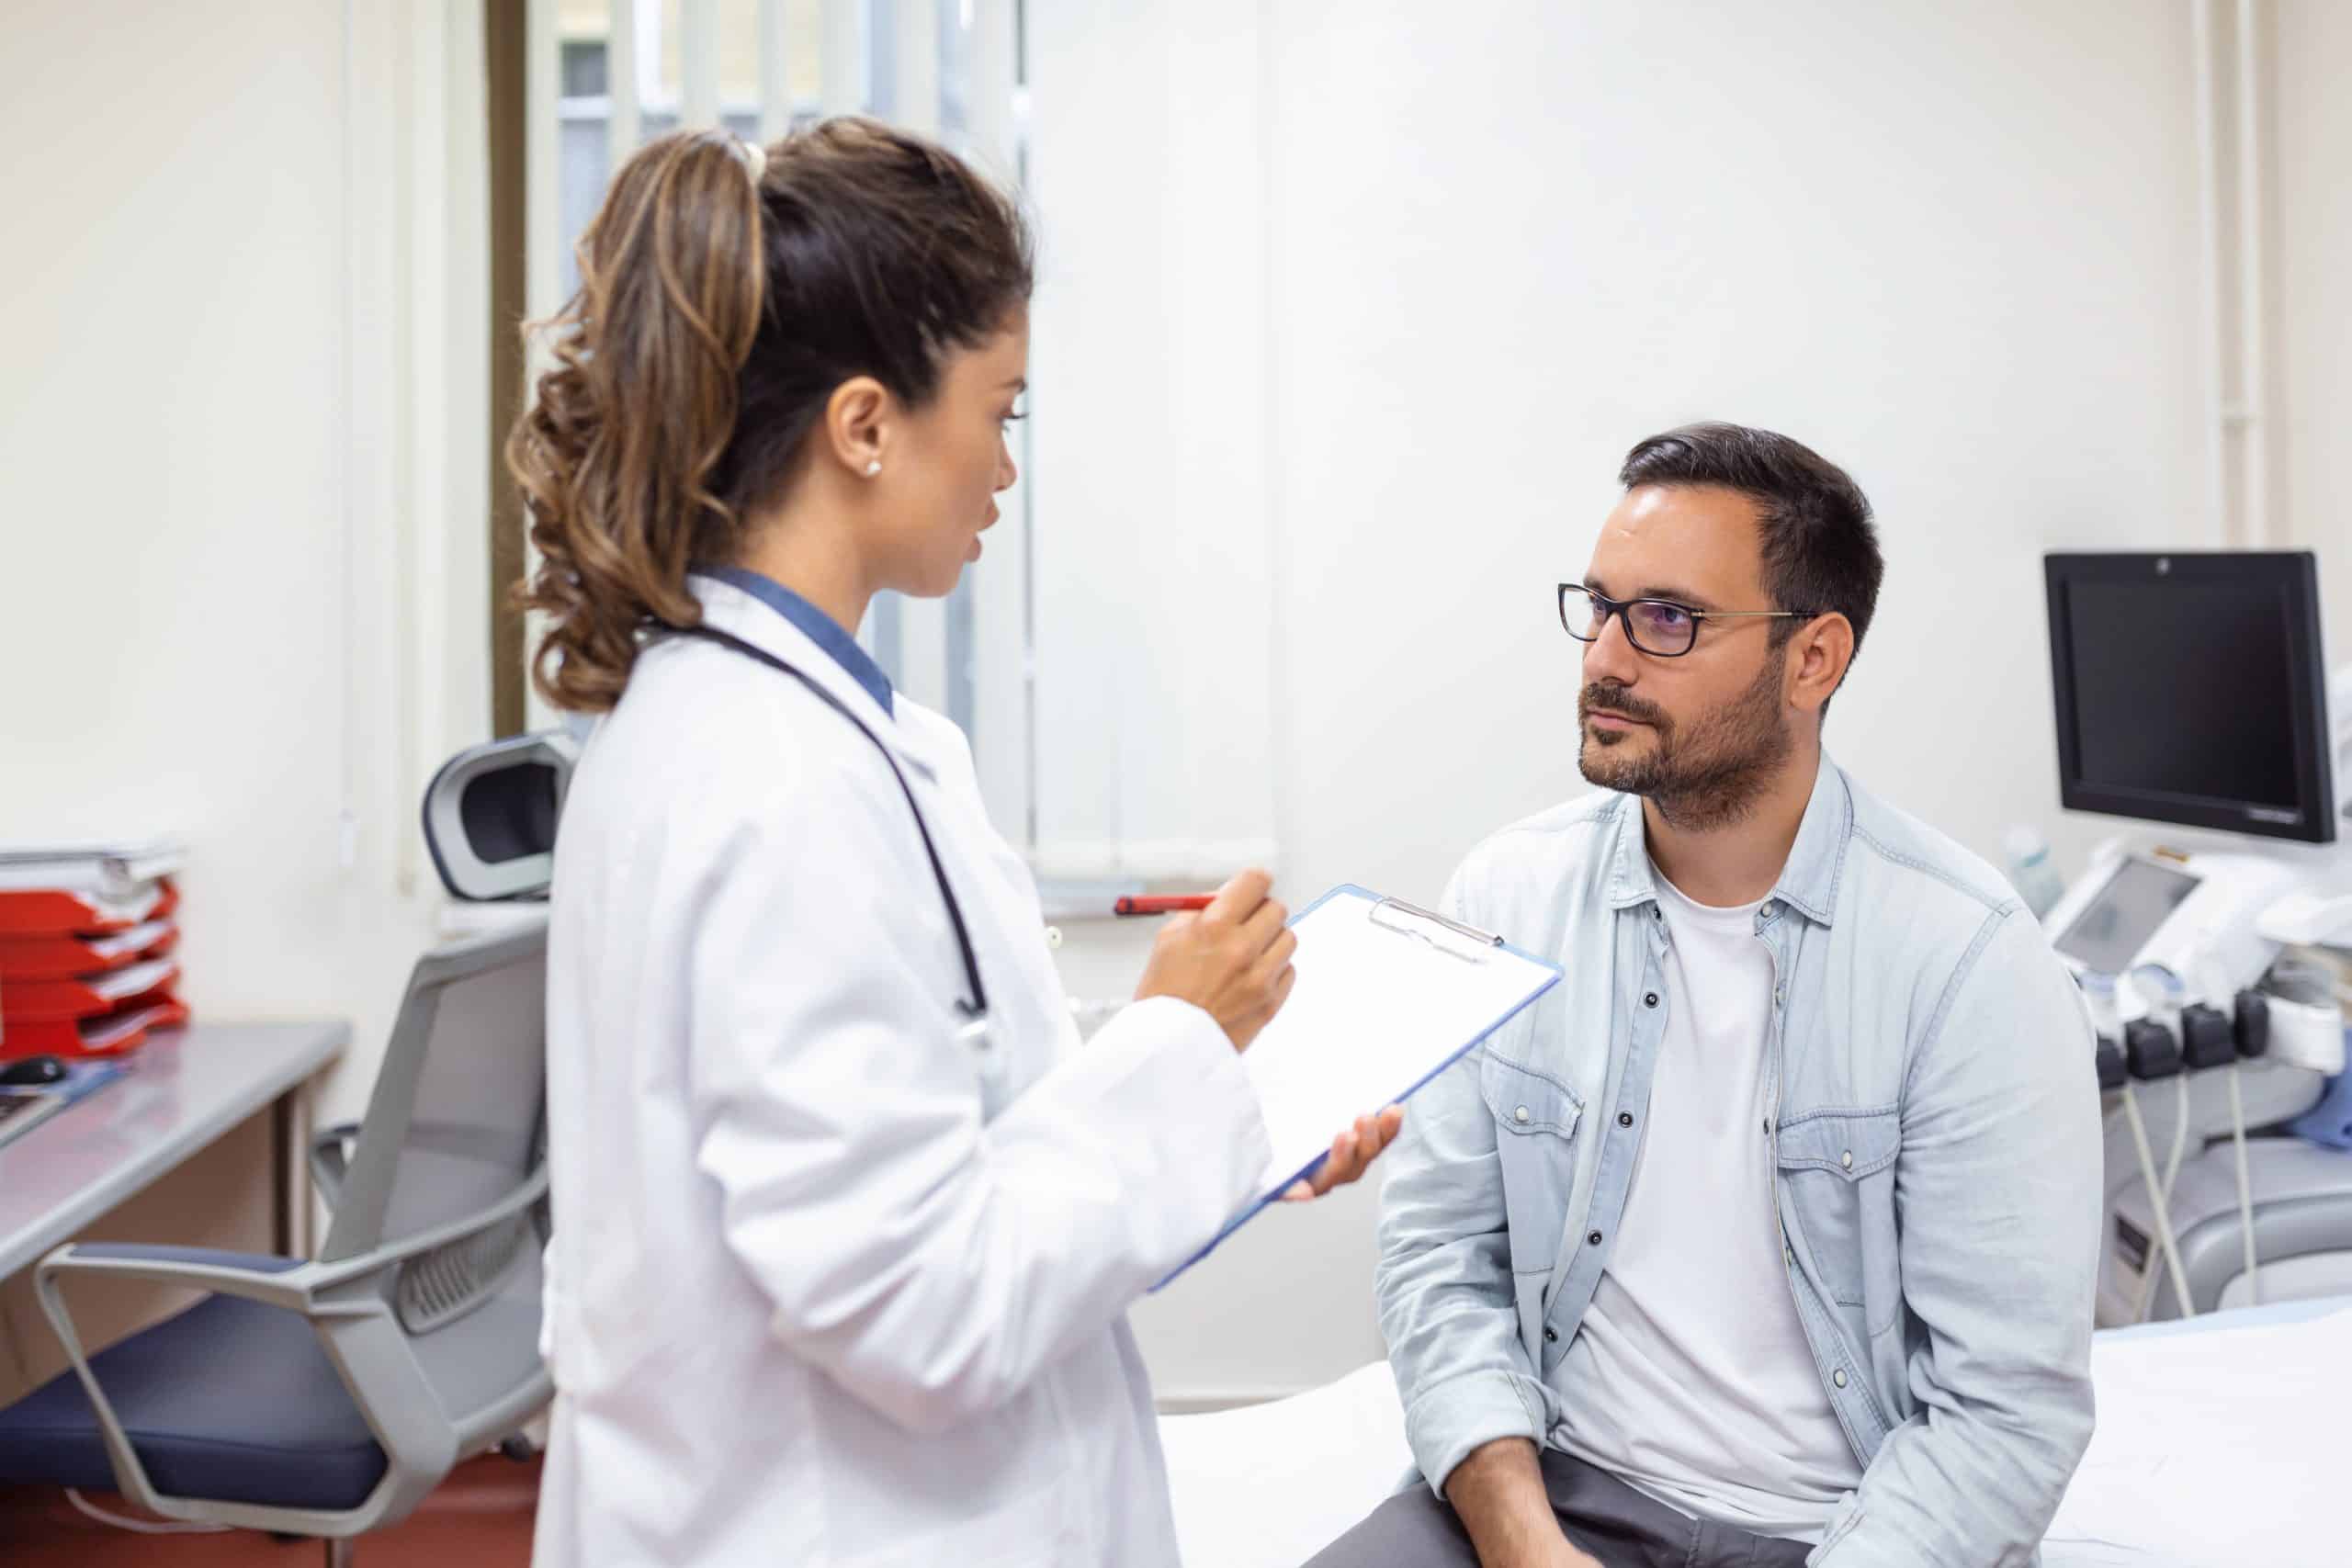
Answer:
(1486, 940)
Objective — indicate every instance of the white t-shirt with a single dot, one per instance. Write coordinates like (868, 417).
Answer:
(1689, 1377)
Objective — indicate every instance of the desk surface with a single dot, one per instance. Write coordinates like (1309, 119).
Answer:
(182, 1091)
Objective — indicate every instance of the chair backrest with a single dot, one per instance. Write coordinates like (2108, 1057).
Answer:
(455, 1121)
(455, 1126)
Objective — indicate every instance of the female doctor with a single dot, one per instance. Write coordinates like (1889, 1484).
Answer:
(846, 1220)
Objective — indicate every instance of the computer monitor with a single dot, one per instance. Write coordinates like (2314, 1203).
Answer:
(2191, 688)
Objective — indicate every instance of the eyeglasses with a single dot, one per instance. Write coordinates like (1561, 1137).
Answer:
(1658, 626)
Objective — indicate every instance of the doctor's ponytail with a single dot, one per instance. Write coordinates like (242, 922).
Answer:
(724, 294)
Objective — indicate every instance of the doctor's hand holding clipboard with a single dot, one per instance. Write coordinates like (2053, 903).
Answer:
(846, 1218)
(1238, 968)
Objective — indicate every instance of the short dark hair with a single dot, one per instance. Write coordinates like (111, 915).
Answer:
(1820, 549)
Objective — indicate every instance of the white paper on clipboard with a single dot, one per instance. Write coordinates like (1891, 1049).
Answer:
(1388, 996)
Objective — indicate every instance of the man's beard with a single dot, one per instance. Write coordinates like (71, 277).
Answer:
(1708, 777)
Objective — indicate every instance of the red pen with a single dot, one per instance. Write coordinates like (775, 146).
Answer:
(1163, 904)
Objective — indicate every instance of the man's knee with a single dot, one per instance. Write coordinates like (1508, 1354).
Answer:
(1415, 1529)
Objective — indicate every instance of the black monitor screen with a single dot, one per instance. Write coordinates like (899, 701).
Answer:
(2190, 688)
(2182, 688)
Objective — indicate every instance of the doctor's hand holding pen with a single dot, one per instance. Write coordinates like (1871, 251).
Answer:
(1230, 955)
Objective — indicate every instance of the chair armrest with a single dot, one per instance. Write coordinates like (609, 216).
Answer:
(276, 1281)
(254, 1276)
(353, 1319)
(327, 1276)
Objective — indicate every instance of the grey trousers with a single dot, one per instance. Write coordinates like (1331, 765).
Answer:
(1600, 1513)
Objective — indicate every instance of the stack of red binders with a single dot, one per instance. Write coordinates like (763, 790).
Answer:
(86, 940)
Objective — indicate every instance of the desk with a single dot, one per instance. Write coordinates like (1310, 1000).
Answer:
(185, 1090)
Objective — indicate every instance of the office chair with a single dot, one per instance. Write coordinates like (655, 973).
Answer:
(328, 1398)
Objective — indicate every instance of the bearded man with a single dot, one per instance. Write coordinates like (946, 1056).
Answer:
(1769, 1237)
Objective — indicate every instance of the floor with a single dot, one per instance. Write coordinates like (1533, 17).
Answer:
(481, 1518)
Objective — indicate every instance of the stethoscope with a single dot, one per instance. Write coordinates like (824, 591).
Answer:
(974, 1009)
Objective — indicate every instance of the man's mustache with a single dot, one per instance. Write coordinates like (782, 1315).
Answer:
(1618, 700)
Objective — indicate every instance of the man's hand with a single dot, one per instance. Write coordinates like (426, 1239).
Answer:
(1498, 1494)
(1353, 1153)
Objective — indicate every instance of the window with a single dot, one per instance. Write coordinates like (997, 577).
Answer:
(605, 77)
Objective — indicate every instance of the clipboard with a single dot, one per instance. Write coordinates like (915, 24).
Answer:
(1389, 994)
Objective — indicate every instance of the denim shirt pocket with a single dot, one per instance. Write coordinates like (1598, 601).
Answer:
(1536, 1127)
(1837, 1168)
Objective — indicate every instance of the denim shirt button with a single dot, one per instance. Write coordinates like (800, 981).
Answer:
(1838, 1378)
(1649, 999)
(1520, 1115)
(1847, 1159)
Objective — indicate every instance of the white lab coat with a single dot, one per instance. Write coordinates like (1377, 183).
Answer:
(803, 1307)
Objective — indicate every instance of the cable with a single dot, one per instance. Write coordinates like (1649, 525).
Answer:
(2162, 1211)
(2245, 1188)
(2160, 1201)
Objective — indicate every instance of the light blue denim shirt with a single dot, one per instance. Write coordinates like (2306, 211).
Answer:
(1936, 1179)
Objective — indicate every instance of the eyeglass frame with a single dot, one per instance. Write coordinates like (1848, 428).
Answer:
(1619, 608)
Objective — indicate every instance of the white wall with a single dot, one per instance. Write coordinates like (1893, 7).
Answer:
(200, 631)
(1938, 246)
(1955, 248)
(2312, 148)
